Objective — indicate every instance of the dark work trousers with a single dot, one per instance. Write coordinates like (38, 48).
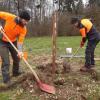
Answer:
(89, 52)
(5, 48)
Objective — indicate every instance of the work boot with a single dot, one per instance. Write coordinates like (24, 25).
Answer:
(17, 74)
(10, 83)
(6, 84)
(92, 66)
(84, 69)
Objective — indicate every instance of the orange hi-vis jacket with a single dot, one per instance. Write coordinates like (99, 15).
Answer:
(85, 27)
(12, 29)
(87, 30)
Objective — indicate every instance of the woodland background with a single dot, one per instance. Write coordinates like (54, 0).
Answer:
(41, 12)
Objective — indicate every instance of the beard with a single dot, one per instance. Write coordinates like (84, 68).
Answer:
(19, 22)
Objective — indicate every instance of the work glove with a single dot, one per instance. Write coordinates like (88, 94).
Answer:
(20, 53)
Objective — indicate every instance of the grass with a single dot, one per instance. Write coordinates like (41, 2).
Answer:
(43, 45)
(4, 96)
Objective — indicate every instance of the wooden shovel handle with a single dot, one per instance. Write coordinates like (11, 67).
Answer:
(29, 66)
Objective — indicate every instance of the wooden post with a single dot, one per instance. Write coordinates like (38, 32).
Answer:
(54, 35)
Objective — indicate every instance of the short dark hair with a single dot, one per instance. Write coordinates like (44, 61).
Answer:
(74, 20)
(24, 15)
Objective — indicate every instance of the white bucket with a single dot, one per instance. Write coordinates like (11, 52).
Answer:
(69, 50)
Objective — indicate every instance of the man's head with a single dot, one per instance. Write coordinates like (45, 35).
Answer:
(75, 21)
(24, 17)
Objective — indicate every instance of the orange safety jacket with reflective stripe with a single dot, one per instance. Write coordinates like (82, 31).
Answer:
(12, 29)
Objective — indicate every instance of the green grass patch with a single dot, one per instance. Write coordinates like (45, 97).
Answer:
(40, 45)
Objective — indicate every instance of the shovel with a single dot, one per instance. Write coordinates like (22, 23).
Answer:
(74, 54)
(42, 86)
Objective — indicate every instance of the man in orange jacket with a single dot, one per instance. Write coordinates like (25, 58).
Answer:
(89, 33)
(15, 29)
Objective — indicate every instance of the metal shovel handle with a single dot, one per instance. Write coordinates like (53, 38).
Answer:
(74, 53)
